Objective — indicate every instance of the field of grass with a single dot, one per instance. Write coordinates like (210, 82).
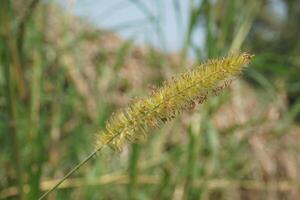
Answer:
(61, 79)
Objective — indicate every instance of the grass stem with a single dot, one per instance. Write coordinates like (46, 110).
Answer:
(71, 172)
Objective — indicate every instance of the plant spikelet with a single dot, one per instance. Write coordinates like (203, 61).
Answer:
(134, 122)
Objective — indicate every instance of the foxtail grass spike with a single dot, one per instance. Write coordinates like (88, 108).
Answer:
(134, 122)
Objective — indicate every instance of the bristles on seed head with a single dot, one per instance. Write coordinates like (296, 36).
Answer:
(133, 123)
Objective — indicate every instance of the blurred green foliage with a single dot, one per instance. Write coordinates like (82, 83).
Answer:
(60, 82)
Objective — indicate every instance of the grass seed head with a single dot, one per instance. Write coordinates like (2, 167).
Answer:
(134, 122)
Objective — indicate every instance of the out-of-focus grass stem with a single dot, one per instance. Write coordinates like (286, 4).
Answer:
(133, 170)
(33, 129)
(191, 162)
(23, 21)
(11, 104)
(192, 25)
(10, 96)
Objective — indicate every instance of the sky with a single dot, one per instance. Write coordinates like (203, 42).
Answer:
(159, 23)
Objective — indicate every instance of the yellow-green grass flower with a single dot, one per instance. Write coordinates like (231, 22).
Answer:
(134, 122)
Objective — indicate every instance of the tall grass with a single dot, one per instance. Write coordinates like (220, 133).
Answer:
(60, 82)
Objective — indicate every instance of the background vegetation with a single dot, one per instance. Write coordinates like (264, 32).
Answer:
(61, 78)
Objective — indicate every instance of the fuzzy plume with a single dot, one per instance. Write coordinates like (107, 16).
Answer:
(134, 122)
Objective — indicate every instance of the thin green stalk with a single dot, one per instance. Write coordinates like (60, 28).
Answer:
(165, 182)
(227, 24)
(11, 103)
(23, 21)
(212, 148)
(195, 13)
(210, 42)
(133, 170)
(76, 168)
(191, 162)
(6, 60)
(34, 137)
(71, 172)
(243, 30)
(7, 22)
